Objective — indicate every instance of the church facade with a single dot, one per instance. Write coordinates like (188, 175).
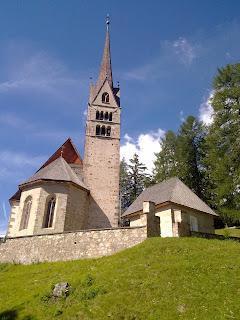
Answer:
(68, 193)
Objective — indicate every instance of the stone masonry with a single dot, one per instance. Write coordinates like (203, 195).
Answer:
(70, 246)
(80, 244)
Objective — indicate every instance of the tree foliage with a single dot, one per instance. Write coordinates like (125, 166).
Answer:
(133, 179)
(223, 143)
(181, 155)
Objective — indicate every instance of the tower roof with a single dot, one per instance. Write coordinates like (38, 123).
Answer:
(106, 66)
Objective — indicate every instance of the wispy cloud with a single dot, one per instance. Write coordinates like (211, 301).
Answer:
(184, 50)
(146, 145)
(39, 72)
(177, 52)
(19, 159)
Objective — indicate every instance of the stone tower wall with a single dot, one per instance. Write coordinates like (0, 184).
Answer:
(102, 162)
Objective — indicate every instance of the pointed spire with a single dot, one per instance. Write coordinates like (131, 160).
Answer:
(106, 67)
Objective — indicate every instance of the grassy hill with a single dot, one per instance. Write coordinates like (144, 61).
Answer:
(229, 232)
(185, 278)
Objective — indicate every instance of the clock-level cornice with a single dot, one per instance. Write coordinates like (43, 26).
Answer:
(104, 122)
(103, 106)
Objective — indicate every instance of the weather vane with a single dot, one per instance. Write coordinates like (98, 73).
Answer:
(108, 20)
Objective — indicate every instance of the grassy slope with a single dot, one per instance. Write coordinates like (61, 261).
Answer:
(185, 278)
(229, 232)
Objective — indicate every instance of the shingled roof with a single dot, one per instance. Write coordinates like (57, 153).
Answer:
(58, 170)
(172, 190)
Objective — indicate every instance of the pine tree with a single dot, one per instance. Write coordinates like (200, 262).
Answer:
(190, 153)
(165, 165)
(182, 155)
(223, 143)
(138, 177)
(125, 184)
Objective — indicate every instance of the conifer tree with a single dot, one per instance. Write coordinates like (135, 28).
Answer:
(138, 177)
(125, 184)
(190, 153)
(165, 165)
(223, 143)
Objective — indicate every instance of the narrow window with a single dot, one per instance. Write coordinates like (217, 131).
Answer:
(110, 116)
(50, 213)
(101, 115)
(105, 97)
(106, 116)
(26, 213)
(103, 131)
(97, 114)
(97, 130)
(108, 131)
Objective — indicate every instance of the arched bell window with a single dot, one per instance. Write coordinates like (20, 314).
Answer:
(105, 97)
(26, 213)
(106, 115)
(108, 132)
(110, 116)
(97, 114)
(50, 208)
(103, 131)
(101, 115)
(97, 130)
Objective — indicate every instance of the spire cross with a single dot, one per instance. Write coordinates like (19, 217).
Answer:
(62, 149)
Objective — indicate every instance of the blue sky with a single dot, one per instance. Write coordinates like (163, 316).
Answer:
(164, 54)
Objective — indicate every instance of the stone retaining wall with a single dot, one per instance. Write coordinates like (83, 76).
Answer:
(70, 245)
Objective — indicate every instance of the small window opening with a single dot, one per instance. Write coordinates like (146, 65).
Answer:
(103, 131)
(26, 213)
(50, 213)
(106, 116)
(105, 97)
(108, 131)
(101, 115)
(97, 114)
(97, 130)
(110, 116)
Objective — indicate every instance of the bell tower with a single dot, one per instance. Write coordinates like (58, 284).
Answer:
(102, 146)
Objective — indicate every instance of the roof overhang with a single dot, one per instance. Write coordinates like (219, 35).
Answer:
(170, 203)
(36, 182)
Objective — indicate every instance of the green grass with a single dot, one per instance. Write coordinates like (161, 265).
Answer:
(186, 278)
(229, 232)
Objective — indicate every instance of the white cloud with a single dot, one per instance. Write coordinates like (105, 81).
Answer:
(185, 51)
(146, 145)
(206, 110)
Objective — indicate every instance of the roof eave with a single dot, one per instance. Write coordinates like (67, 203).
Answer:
(21, 186)
(159, 205)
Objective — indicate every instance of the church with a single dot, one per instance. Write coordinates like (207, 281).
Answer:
(67, 192)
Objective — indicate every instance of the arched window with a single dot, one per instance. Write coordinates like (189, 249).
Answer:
(101, 115)
(97, 130)
(108, 131)
(110, 116)
(106, 116)
(26, 213)
(50, 208)
(105, 97)
(97, 114)
(103, 131)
